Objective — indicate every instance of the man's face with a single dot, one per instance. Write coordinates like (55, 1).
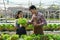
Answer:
(33, 11)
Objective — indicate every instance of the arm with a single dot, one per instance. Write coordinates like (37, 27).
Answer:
(30, 21)
(16, 24)
(43, 21)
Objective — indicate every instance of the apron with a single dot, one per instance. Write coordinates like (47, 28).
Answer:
(39, 29)
(20, 30)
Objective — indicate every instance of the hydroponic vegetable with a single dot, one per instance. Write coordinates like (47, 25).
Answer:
(8, 38)
(5, 36)
(22, 21)
(28, 38)
(54, 26)
(30, 26)
(14, 37)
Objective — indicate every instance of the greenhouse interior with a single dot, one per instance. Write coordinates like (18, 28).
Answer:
(29, 19)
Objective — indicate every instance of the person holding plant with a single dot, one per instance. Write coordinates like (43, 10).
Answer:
(20, 28)
(37, 20)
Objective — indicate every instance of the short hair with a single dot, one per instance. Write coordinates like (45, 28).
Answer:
(32, 7)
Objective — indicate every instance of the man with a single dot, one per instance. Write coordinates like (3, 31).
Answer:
(37, 20)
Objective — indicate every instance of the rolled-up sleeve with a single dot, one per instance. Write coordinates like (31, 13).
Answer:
(43, 21)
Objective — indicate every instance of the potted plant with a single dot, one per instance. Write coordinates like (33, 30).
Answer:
(54, 26)
(22, 21)
(30, 27)
(10, 27)
(5, 36)
(45, 27)
(50, 27)
(1, 28)
(58, 27)
(14, 37)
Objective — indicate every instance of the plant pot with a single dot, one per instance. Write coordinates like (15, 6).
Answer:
(14, 29)
(10, 30)
(58, 29)
(1, 38)
(4, 30)
(43, 38)
(51, 29)
(46, 29)
(0, 29)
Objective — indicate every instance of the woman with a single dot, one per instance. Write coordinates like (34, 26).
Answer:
(20, 29)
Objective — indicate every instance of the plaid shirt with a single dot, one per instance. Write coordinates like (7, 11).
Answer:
(39, 19)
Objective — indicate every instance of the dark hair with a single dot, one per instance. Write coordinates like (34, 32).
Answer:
(32, 7)
(17, 14)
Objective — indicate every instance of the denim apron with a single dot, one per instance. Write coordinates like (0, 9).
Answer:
(20, 30)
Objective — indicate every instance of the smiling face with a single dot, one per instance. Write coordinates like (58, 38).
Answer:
(20, 15)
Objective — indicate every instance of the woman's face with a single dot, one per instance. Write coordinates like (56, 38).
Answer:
(20, 15)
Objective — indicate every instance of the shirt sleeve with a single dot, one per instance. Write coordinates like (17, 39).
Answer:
(17, 25)
(43, 21)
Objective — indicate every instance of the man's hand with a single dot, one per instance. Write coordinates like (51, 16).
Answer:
(35, 24)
